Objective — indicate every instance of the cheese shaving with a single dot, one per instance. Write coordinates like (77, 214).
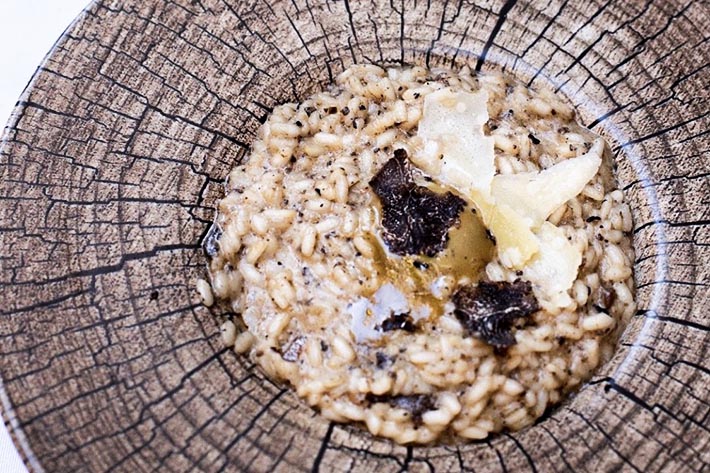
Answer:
(535, 195)
(554, 268)
(515, 242)
(454, 120)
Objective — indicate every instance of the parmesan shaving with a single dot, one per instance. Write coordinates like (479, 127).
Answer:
(535, 195)
(554, 269)
(515, 242)
(454, 120)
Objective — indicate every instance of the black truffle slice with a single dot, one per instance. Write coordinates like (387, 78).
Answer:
(416, 404)
(415, 220)
(398, 322)
(383, 360)
(489, 309)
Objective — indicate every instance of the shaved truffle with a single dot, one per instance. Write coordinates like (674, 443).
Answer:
(415, 220)
(604, 298)
(398, 322)
(489, 309)
(415, 404)
(383, 360)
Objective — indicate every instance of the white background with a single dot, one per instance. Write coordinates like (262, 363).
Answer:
(28, 29)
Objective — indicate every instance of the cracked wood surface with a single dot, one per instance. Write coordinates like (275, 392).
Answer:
(114, 158)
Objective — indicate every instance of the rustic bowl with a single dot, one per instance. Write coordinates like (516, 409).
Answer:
(114, 157)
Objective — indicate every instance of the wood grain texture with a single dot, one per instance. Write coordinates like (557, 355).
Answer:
(114, 158)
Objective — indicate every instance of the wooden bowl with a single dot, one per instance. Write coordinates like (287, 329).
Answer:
(114, 158)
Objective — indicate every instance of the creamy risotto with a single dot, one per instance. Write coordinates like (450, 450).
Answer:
(432, 254)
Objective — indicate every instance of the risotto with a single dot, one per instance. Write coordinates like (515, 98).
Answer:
(430, 253)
